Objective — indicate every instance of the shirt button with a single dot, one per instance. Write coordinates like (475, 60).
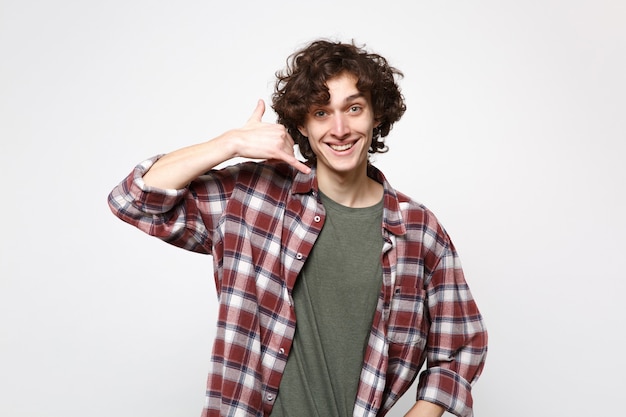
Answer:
(317, 219)
(281, 351)
(270, 397)
(298, 256)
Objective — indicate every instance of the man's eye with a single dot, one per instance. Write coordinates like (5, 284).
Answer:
(355, 109)
(320, 113)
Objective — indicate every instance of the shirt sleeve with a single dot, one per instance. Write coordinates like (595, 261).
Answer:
(457, 341)
(183, 217)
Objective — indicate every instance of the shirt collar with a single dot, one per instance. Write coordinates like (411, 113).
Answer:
(392, 215)
(305, 183)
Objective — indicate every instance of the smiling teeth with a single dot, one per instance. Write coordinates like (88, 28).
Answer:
(341, 147)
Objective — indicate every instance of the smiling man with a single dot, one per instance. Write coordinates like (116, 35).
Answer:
(333, 288)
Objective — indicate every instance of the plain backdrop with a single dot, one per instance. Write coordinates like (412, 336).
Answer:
(515, 136)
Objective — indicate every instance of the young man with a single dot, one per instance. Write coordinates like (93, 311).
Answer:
(333, 288)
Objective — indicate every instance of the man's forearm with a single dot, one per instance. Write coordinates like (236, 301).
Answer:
(425, 409)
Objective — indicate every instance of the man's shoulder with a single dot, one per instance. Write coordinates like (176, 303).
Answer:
(415, 213)
(408, 203)
(250, 172)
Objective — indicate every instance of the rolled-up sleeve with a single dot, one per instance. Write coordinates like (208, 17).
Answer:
(171, 215)
(457, 342)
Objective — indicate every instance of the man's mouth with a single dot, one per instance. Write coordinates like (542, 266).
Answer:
(340, 148)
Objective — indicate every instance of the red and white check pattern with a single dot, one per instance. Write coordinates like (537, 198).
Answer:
(260, 221)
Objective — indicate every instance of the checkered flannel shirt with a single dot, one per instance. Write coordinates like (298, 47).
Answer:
(259, 221)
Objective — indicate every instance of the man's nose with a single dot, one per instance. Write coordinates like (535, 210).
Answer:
(341, 126)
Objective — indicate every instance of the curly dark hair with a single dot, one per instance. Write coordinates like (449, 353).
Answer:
(303, 83)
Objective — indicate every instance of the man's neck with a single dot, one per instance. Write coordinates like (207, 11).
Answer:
(354, 189)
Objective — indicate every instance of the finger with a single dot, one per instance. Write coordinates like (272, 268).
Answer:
(305, 169)
(257, 115)
(294, 162)
(291, 159)
(290, 140)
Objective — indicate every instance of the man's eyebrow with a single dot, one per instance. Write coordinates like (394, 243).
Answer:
(354, 96)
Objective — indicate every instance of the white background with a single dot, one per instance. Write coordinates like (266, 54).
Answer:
(514, 136)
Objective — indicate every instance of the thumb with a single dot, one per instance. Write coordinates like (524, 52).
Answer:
(257, 115)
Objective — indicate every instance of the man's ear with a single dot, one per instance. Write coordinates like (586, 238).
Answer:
(303, 131)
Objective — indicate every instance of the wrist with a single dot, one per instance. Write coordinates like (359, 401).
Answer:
(228, 143)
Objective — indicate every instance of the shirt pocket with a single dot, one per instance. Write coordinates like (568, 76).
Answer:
(406, 323)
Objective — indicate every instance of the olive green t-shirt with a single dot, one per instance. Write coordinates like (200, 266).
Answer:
(335, 299)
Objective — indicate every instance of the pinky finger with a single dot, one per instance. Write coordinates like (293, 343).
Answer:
(300, 166)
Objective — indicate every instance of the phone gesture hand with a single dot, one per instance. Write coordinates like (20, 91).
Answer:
(268, 140)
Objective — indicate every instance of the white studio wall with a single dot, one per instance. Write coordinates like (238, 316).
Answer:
(515, 136)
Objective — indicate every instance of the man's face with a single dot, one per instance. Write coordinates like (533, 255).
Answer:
(340, 131)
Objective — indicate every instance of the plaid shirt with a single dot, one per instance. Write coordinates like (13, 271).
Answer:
(260, 222)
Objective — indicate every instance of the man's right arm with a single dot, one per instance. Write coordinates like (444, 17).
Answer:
(256, 140)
